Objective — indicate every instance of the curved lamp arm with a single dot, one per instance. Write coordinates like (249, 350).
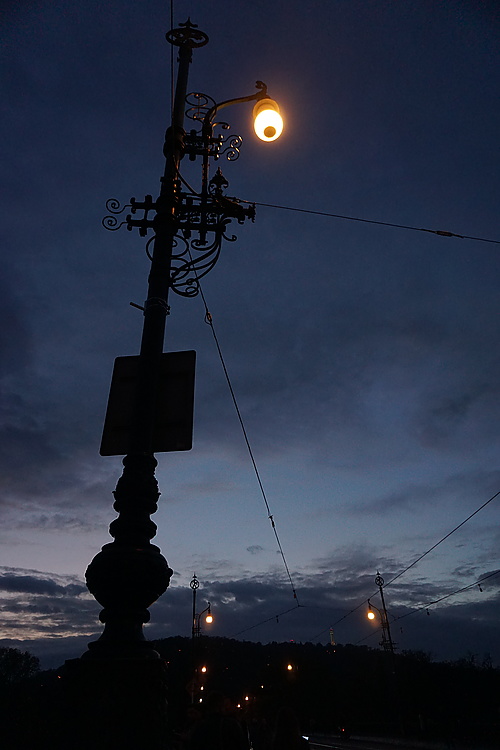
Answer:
(208, 119)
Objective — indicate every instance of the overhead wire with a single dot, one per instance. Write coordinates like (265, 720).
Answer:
(440, 232)
(412, 565)
(448, 596)
(430, 604)
(268, 619)
(442, 540)
(209, 321)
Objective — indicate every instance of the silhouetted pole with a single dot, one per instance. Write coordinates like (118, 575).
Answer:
(116, 692)
(129, 574)
(387, 642)
(194, 588)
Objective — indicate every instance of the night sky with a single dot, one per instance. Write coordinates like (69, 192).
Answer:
(364, 358)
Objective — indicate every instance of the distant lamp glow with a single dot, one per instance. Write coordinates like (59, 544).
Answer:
(267, 121)
(209, 618)
(203, 669)
(370, 614)
(289, 667)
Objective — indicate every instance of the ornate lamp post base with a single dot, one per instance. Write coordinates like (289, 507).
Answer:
(128, 575)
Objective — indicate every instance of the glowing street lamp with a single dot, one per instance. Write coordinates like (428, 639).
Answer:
(267, 120)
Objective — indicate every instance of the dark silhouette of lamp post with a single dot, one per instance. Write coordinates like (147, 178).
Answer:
(116, 694)
(188, 229)
(196, 621)
(195, 683)
(388, 646)
(386, 642)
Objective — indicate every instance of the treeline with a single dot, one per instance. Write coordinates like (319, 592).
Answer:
(357, 689)
(353, 690)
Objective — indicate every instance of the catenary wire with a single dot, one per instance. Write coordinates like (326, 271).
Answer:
(209, 321)
(442, 539)
(439, 232)
(411, 566)
(447, 596)
(263, 622)
(436, 601)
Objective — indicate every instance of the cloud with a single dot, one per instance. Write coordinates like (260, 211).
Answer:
(34, 585)
(254, 549)
(40, 607)
(464, 488)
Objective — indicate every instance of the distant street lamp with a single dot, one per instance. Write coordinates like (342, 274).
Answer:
(387, 643)
(196, 621)
(151, 397)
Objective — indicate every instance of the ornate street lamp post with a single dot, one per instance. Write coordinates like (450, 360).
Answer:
(386, 642)
(188, 228)
(195, 636)
(196, 621)
(116, 694)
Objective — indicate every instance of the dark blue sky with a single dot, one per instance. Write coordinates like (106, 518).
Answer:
(364, 358)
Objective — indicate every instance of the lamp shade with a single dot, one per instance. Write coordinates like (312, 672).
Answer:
(267, 121)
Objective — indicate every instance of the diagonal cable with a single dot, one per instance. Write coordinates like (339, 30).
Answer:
(209, 320)
(263, 622)
(443, 539)
(440, 232)
(414, 563)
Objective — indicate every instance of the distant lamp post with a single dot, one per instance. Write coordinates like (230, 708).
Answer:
(150, 405)
(387, 643)
(196, 621)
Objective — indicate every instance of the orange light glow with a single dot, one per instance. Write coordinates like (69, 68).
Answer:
(268, 123)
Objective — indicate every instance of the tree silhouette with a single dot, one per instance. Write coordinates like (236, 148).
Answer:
(16, 666)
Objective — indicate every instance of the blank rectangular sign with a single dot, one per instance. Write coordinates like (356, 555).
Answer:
(175, 405)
